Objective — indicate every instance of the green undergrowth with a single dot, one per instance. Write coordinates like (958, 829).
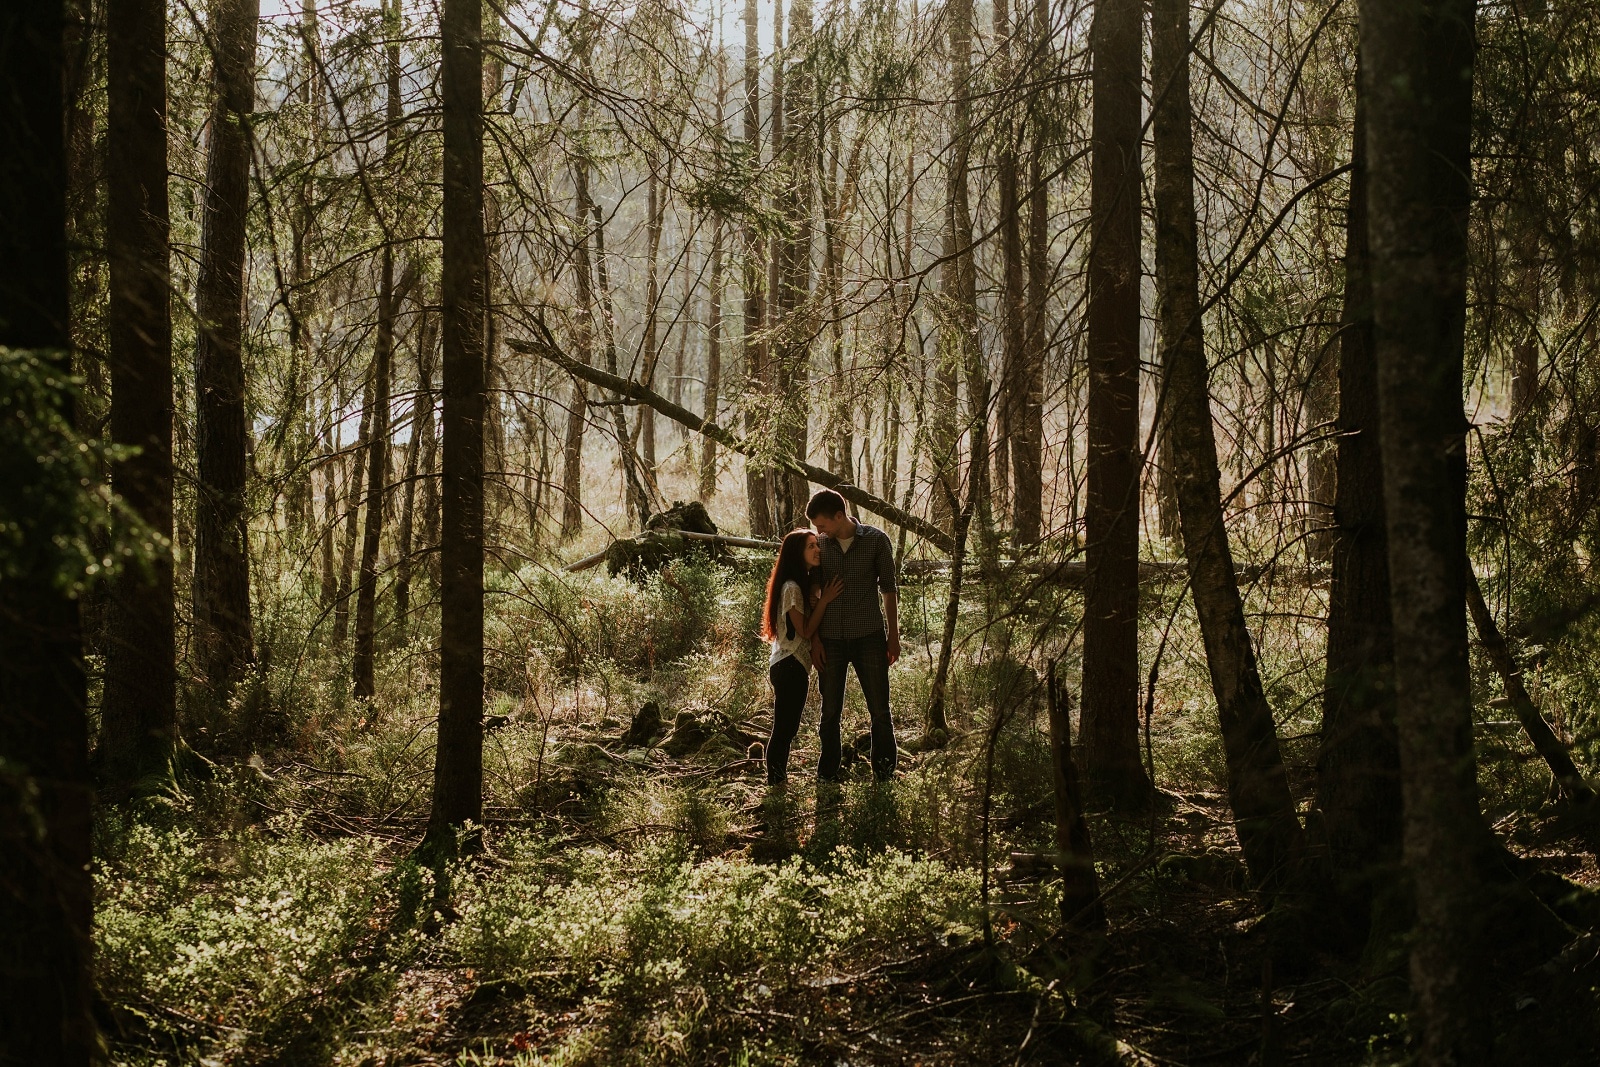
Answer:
(646, 926)
(270, 945)
(260, 945)
(642, 903)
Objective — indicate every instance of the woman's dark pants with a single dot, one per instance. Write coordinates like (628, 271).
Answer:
(790, 681)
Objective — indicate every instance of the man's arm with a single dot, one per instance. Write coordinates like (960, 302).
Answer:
(891, 599)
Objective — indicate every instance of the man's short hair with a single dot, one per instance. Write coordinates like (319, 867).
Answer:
(826, 502)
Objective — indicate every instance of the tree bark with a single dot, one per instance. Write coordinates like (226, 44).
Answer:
(328, 465)
(792, 265)
(1525, 353)
(838, 200)
(300, 302)
(458, 757)
(1258, 785)
(952, 612)
(1027, 430)
(421, 420)
(713, 394)
(1569, 780)
(1013, 292)
(377, 457)
(1322, 460)
(959, 348)
(138, 717)
(47, 898)
(685, 324)
(1358, 764)
(758, 487)
(578, 406)
(1168, 524)
(655, 214)
(361, 670)
(637, 493)
(221, 587)
(431, 517)
(1081, 908)
(353, 491)
(1417, 59)
(1109, 727)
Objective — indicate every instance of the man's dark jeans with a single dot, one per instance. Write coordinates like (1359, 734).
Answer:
(870, 657)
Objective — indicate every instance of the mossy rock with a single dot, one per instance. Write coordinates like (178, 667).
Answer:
(1213, 868)
(645, 727)
(688, 736)
(688, 515)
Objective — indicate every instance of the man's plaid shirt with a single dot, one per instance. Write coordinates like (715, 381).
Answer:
(867, 570)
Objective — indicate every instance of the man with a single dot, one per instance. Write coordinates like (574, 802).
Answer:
(853, 632)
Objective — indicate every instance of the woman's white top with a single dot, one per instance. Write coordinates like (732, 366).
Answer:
(790, 641)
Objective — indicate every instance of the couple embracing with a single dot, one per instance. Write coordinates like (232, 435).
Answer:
(822, 610)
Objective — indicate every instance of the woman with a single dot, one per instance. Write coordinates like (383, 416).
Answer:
(788, 625)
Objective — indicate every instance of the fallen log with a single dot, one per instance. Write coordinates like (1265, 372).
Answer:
(730, 540)
(1071, 574)
(545, 347)
(1569, 780)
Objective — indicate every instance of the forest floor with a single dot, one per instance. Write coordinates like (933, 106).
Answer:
(651, 903)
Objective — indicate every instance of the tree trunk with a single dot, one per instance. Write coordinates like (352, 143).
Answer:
(377, 453)
(138, 716)
(840, 414)
(1358, 764)
(353, 491)
(1569, 780)
(1081, 908)
(45, 789)
(361, 670)
(84, 51)
(1258, 785)
(713, 396)
(959, 348)
(329, 466)
(1109, 725)
(654, 217)
(221, 587)
(1525, 353)
(578, 406)
(421, 415)
(1013, 294)
(1322, 461)
(757, 482)
(458, 758)
(431, 518)
(685, 321)
(300, 302)
(1027, 428)
(1417, 58)
(952, 612)
(792, 265)
(638, 495)
(889, 475)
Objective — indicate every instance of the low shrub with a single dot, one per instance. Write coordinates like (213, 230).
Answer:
(575, 620)
(656, 921)
(221, 943)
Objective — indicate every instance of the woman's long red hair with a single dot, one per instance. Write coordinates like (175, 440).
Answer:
(790, 566)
